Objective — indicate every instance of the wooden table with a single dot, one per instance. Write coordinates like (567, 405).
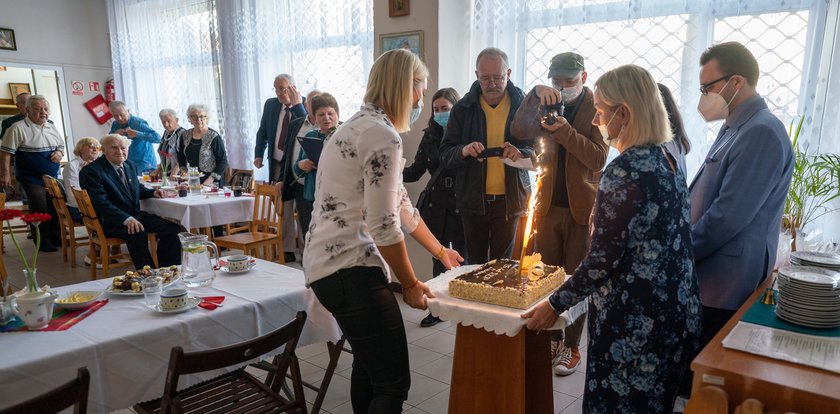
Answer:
(781, 386)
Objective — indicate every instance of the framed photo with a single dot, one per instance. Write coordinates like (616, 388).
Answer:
(19, 88)
(397, 8)
(7, 37)
(412, 41)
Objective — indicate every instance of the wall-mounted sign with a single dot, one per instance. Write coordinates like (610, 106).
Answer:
(93, 86)
(78, 87)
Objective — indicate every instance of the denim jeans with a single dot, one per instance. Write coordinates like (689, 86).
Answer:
(370, 318)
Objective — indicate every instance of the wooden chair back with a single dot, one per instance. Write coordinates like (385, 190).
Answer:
(2, 201)
(181, 363)
(268, 210)
(56, 191)
(89, 217)
(74, 392)
(242, 178)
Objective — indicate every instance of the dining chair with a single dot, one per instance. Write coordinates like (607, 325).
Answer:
(104, 243)
(265, 231)
(237, 391)
(73, 393)
(69, 240)
(241, 178)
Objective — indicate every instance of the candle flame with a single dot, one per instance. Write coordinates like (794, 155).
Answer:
(532, 207)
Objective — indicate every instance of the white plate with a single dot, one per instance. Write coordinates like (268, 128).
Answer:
(827, 259)
(813, 276)
(110, 289)
(251, 265)
(192, 301)
(79, 305)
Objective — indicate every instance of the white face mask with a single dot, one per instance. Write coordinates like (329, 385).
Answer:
(570, 94)
(714, 107)
(605, 133)
(415, 112)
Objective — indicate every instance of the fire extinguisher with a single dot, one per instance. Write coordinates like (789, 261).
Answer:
(110, 96)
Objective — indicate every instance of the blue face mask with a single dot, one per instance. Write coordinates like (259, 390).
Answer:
(415, 112)
(442, 118)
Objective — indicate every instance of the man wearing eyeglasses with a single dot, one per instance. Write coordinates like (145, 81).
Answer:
(573, 153)
(278, 114)
(738, 195)
(491, 196)
(137, 130)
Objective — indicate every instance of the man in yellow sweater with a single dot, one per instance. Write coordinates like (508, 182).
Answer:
(490, 195)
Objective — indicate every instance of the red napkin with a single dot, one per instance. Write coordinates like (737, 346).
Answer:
(211, 302)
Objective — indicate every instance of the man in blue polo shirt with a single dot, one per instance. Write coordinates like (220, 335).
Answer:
(38, 147)
(137, 130)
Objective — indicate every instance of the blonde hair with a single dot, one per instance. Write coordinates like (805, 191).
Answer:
(391, 84)
(634, 87)
(85, 142)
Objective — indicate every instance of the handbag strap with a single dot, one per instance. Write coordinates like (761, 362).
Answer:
(434, 178)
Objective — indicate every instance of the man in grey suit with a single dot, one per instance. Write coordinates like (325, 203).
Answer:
(738, 195)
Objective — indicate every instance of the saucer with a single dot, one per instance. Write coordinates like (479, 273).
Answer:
(192, 301)
(225, 269)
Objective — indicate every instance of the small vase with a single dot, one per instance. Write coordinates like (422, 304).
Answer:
(164, 181)
(31, 280)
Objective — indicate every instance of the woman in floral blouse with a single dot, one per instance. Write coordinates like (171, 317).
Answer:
(639, 276)
(360, 204)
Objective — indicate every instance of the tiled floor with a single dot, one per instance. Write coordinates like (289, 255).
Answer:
(430, 349)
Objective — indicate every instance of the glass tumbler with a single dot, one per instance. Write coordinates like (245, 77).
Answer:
(152, 286)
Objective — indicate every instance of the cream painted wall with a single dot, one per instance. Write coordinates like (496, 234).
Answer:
(423, 15)
(71, 36)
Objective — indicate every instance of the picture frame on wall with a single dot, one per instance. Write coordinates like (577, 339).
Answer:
(19, 88)
(412, 41)
(7, 39)
(397, 8)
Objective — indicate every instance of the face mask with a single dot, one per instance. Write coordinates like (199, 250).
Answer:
(415, 112)
(570, 94)
(442, 118)
(714, 107)
(605, 133)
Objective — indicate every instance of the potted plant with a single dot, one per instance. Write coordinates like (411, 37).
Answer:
(814, 186)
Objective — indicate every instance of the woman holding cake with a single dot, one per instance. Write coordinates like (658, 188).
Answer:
(359, 205)
(644, 302)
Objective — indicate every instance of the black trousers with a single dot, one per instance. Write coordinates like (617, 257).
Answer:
(370, 318)
(713, 321)
(168, 248)
(489, 236)
(304, 209)
(40, 202)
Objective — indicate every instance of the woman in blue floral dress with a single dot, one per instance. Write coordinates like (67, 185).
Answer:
(639, 276)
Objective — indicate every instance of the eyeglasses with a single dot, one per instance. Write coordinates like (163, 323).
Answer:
(281, 90)
(197, 117)
(497, 80)
(704, 88)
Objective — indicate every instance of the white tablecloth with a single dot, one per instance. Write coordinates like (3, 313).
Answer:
(126, 346)
(196, 211)
(500, 320)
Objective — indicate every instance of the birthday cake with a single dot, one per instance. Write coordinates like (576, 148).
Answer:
(499, 282)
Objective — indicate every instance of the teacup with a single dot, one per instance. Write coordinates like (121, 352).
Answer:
(238, 262)
(173, 298)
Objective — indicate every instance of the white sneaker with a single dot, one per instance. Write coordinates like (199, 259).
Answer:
(87, 263)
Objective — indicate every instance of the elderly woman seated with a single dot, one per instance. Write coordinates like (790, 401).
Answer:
(86, 150)
(202, 147)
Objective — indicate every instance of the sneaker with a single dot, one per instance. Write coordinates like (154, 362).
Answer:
(87, 263)
(429, 320)
(569, 359)
(48, 248)
(556, 347)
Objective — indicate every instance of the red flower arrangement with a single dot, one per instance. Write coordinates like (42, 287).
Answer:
(34, 219)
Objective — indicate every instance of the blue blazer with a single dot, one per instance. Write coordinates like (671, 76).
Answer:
(111, 200)
(737, 199)
(268, 128)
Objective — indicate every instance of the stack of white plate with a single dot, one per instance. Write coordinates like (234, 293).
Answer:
(809, 296)
(829, 261)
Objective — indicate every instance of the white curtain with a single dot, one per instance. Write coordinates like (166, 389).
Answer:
(667, 37)
(226, 54)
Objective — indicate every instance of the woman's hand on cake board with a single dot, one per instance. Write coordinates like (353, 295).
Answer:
(541, 316)
(450, 258)
(416, 295)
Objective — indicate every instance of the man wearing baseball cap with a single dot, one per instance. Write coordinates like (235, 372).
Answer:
(574, 154)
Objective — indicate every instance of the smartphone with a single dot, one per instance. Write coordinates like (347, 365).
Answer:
(491, 152)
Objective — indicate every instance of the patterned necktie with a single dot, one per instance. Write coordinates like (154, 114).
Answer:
(281, 142)
(121, 173)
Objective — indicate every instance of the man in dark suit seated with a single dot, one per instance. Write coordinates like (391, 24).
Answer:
(111, 181)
